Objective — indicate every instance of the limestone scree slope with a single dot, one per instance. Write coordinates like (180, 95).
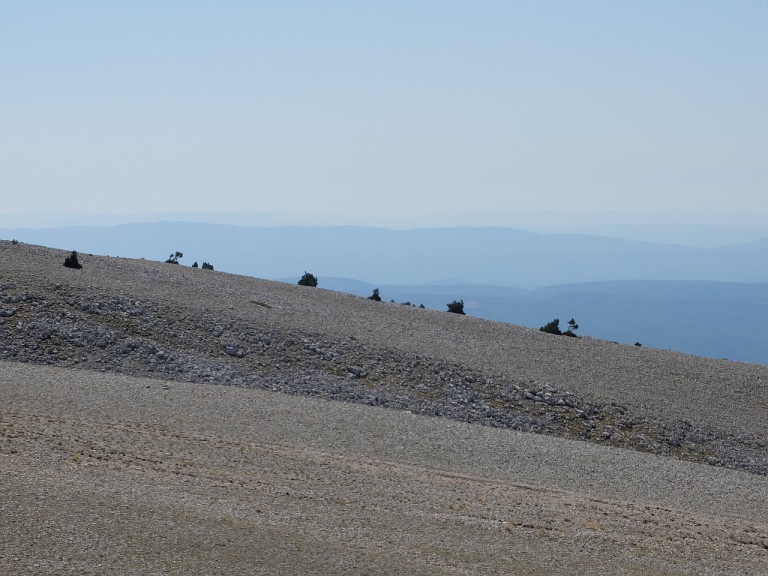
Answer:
(160, 419)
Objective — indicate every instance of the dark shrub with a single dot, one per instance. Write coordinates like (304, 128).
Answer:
(552, 327)
(194, 264)
(308, 280)
(457, 307)
(71, 261)
(375, 296)
(207, 266)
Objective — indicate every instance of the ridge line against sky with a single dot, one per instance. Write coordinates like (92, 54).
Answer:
(393, 110)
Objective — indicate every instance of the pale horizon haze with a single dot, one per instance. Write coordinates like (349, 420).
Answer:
(392, 109)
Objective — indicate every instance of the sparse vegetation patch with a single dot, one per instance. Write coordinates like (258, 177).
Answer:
(553, 327)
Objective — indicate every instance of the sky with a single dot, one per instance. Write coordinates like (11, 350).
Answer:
(394, 109)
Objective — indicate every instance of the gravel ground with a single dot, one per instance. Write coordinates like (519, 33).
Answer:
(112, 474)
(644, 461)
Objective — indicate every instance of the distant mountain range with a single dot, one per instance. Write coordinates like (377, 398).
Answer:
(686, 228)
(706, 301)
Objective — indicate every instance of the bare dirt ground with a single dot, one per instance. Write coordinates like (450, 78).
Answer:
(108, 474)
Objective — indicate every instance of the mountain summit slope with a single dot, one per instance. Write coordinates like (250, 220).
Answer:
(161, 419)
(155, 319)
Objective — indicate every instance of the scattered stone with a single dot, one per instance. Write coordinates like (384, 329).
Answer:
(357, 372)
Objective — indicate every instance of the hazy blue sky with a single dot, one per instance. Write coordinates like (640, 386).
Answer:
(387, 107)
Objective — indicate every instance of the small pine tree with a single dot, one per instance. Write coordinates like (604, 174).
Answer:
(194, 264)
(174, 258)
(572, 326)
(457, 307)
(308, 280)
(71, 261)
(375, 296)
(207, 266)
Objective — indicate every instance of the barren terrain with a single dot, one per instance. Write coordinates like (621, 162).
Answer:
(158, 419)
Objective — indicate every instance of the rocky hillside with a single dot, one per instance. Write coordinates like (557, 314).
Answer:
(145, 318)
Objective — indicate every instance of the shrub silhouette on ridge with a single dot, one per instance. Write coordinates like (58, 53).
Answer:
(308, 280)
(174, 258)
(71, 261)
(571, 327)
(554, 328)
(457, 307)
